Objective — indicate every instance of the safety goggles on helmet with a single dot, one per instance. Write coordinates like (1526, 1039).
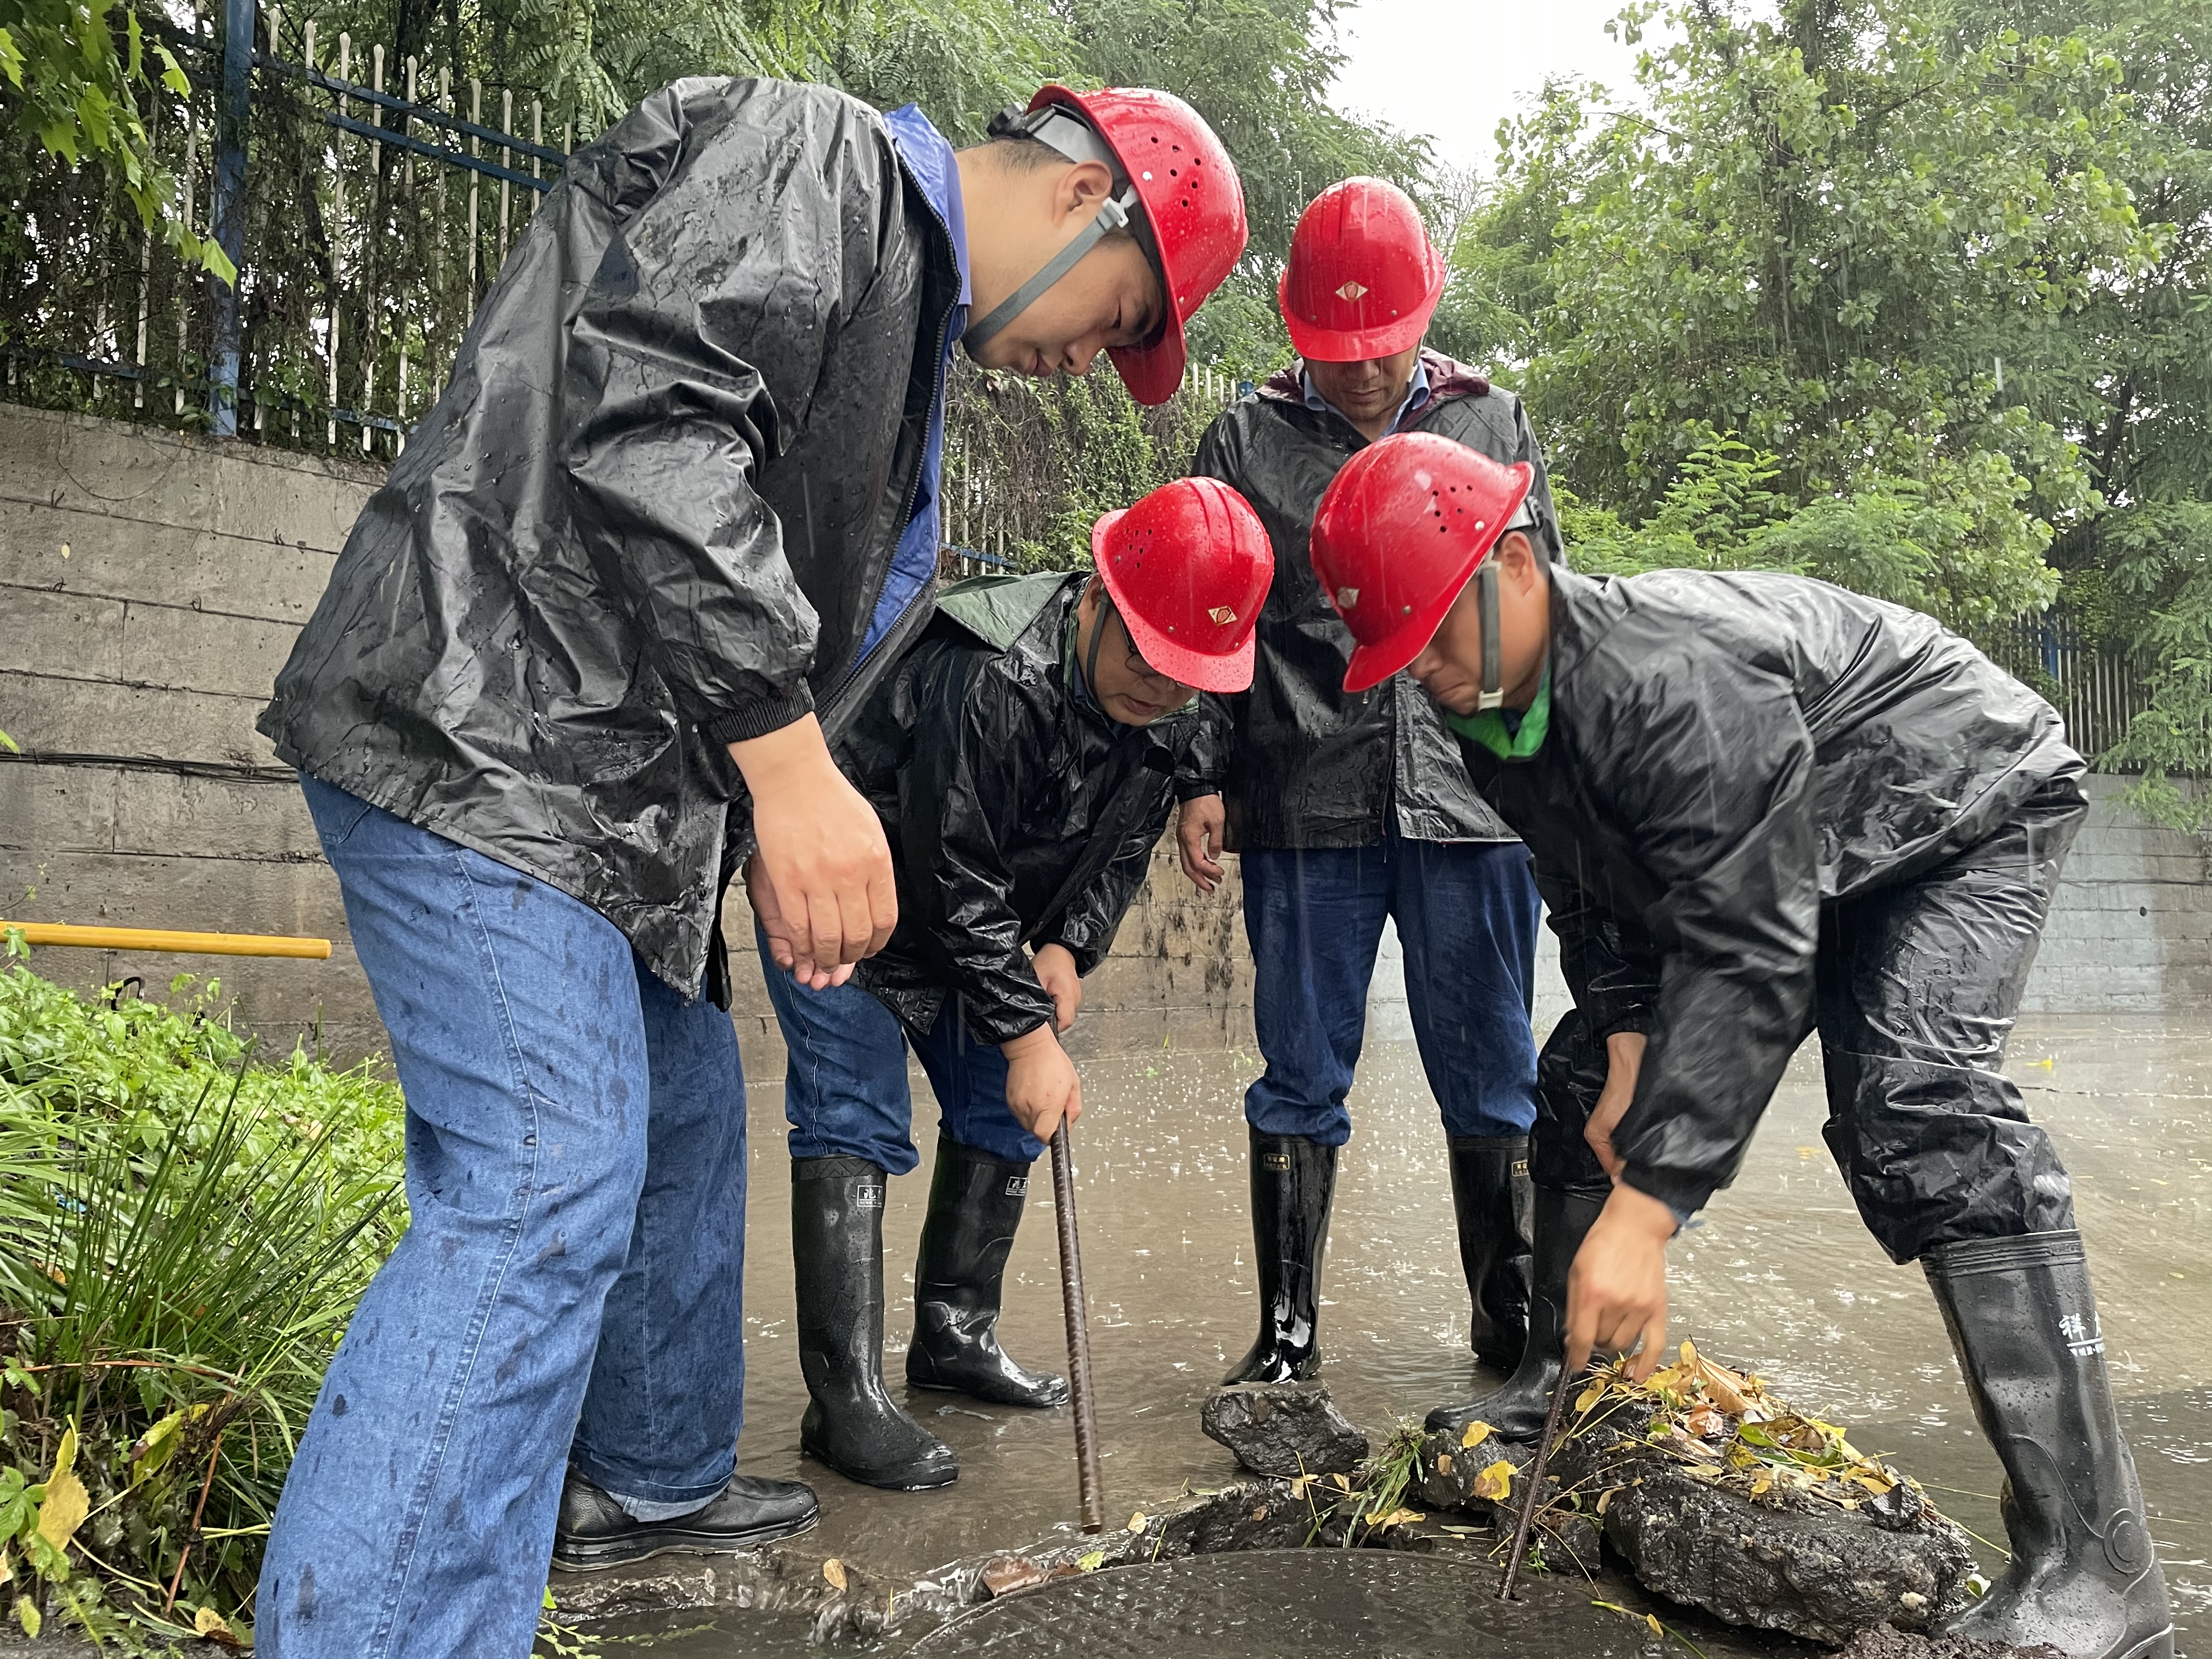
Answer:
(1400, 530)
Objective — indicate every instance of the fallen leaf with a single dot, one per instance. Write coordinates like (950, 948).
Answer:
(210, 1623)
(1443, 1462)
(1299, 1486)
(1091, 1562)
(1342, 1484)
(27, 1615)
(1605, 1499)
(1013, 1572)
(65, 1459)
(1137, 1521)
(67, 1504)
(1398, 1518)
(1652, 1619)
(1496, 1482)
(834, 1570)
(1260, 1514)
(1590, 1395)
(1475, 1434)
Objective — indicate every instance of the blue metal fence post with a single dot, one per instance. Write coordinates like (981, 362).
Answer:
(231, 120)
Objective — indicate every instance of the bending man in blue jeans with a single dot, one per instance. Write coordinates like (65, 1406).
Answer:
(653, 518)
(1023, 757)
(1351, 810)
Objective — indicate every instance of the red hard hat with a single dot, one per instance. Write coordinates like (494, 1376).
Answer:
(1398, 531)
(1194, 205)
(1188, 567)
(1362, 280)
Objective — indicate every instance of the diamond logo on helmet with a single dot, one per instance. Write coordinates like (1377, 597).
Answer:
(1347, 596)
(1223, 615)
(1351, 291)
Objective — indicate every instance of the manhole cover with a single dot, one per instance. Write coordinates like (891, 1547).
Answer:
(1281, 1604)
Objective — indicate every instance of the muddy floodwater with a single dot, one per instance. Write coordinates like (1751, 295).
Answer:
(1780, 1275)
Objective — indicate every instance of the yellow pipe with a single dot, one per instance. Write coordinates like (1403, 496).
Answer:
(157, 938)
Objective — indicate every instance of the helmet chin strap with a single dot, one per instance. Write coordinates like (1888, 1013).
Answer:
(1060, 131)
(1486, 605)
(1097, 636)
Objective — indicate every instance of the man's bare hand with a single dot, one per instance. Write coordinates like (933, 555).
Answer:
(821, 882)
(1055, 971)
(1042, 1087)
(1617, 1289)
(1200, 823)
(1624, 1059)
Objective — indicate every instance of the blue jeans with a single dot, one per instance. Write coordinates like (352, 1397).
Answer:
(570, 1283)
(1466, 914)
(845, 1090)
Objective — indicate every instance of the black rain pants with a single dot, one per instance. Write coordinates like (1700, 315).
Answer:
(1916, 988)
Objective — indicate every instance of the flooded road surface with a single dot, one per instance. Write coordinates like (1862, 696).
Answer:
(1780, 1275)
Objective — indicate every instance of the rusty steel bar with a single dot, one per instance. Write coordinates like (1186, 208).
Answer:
(159, 938)
(1090, 1483)
(1533, 1496)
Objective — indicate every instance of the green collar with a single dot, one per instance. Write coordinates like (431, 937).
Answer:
(1489, 728)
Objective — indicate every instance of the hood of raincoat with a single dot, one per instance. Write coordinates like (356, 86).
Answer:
(653, 511)
(1311, 764)
(1018, 814)
(1727, 752)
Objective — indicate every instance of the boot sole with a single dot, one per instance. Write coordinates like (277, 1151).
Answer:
(913, 1381)
(880, 1482)
(616, 1552)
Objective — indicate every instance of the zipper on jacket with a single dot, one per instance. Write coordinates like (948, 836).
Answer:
(939, 370)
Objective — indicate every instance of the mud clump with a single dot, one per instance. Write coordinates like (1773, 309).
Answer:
(1887, 1642)
(1284, 1430)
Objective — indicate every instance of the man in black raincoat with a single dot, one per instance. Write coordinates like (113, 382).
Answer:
(1762, 807)
(1351, 810)
(1023, 758)
(679, 494)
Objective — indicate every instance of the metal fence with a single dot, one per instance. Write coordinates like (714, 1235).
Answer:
(2098, 687)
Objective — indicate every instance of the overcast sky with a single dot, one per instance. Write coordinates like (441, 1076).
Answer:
(1454, 68)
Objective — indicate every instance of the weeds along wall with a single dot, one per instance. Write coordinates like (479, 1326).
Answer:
(150, 587)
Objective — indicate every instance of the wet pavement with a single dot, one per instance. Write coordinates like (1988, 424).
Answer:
(1780, 1275)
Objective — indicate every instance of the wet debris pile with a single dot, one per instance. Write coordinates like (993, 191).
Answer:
(1287, 1429)
(1719, 1496)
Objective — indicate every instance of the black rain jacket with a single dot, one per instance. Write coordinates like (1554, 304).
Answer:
(1018, 814)
(653, 511)
(1726, 753)
(1312, 766)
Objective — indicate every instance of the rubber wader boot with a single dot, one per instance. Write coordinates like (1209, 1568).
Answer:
(595, 1531)
(975, 1206)
(1293, 1179)
(1492, 1201)
(1516, 1411)
(2083, 1576)
(838, 1267)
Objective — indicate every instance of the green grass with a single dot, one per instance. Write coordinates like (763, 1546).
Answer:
(184, 1228)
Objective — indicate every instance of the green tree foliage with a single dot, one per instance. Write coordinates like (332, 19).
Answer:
(73, 75)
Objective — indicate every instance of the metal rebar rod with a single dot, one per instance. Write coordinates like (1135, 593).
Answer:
(1533, 1497)
(156, 938)
(1089, 1482)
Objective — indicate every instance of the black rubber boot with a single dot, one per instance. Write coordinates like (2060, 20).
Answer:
(1562, 1216)
(2083, 1576)
(975, 1206)
(837, 1265)
(1492, 1201)
(594, 1531)
(1293, 1179)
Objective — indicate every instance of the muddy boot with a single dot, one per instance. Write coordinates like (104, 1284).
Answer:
(1293, 1179)
(2083, 1576)
(1491, 1200)
(837, 1265)
(975, 1206)
(1562, 1216)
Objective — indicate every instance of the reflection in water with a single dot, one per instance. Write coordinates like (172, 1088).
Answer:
(1781, 1274)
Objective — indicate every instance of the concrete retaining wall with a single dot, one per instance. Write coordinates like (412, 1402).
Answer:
(150, 585)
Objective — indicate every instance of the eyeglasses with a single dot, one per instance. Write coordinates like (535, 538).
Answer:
(1178, 693)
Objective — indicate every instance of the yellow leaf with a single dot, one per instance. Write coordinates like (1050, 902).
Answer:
(1475, 1435)
(1689, 1354)
(1443, 1462)
(1496, 1482)
(1652, 1619)
(1299, 1486)
(1605, 1499)
(1398, 1519)
(27, 1615)
(1342, 1484)
(67, 1504)
(1590, 1395)
(65, 1459)
(834, 1570)
(1137, 1521)
(208, 1622)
